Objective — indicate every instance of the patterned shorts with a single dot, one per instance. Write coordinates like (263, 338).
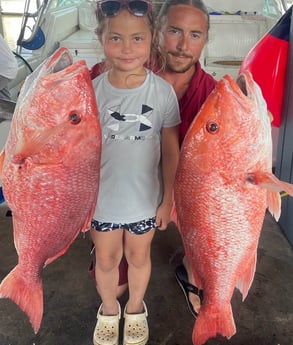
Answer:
(137, 228)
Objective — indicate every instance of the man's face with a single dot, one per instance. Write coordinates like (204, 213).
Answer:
(183, 36)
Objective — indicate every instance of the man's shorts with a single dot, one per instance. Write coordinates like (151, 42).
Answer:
(137, 228)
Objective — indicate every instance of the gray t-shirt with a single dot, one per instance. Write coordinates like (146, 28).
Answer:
(131, 120)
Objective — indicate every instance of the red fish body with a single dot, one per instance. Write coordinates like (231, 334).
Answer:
(223, 186)
(50, 173)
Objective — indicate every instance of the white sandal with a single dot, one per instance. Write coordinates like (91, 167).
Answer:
(107, 328)
(136, 330)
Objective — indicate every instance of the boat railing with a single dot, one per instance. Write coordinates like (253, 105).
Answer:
(33, 41)
(56, 24)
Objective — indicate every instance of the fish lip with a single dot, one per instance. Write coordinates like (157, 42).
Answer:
(246, 84)
(59, 62)
(243, 86)
(242, 83)
(250, 89)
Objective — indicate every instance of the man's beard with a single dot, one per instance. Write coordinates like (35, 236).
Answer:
(177, 66)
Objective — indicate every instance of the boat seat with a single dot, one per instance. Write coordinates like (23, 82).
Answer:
(84, 44)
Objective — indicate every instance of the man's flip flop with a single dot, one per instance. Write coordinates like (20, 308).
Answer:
(182, 279)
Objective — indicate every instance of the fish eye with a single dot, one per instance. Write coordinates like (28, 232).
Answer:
(212, 127)
(75, 119)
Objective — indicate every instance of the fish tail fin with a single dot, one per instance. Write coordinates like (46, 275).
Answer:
(29, 297)
(208, 325)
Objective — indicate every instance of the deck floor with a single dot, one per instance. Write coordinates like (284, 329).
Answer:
(70, 298)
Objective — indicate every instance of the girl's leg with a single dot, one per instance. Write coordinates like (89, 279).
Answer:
(123, 277)
(137, 252)
(108, 250)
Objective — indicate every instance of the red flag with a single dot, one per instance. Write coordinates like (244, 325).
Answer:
(267, 61)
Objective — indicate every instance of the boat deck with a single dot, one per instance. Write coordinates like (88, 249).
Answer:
(70, 298)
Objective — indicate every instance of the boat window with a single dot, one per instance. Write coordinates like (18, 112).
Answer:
(12, 16)
(12, 13)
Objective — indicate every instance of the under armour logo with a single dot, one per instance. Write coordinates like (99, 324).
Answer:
(145, 124)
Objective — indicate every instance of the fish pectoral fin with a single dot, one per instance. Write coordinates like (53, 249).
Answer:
(270, 182)
(28, 148)
(274, 186)
(34, 143)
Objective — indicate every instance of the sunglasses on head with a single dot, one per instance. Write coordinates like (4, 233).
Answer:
(110, 8)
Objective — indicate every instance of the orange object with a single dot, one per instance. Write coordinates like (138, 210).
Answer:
(267, 62)
(222, 188)
(50, 173)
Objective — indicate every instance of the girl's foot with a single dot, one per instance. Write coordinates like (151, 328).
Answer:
(107, 328)
(136, 330)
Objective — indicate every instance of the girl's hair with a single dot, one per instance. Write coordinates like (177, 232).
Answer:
(149, 16)
(101, 19)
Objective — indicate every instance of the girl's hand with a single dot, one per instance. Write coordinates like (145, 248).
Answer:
(163, 216)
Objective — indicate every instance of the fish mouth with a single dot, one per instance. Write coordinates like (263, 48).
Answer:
(62, 60)
(242, 87)
(249, 88)
(59, 61)
(242, 84)
(246, 84)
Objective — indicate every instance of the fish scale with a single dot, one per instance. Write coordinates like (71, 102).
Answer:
(49, 168)
(223, 185)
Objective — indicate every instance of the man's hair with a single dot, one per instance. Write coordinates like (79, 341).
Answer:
(168, 3)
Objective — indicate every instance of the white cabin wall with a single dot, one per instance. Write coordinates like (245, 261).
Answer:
(232, 6)
(230, 39)
(84, 44)
(58, 25)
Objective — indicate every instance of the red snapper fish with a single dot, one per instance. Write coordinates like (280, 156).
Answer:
(49, 169)
(223, 186)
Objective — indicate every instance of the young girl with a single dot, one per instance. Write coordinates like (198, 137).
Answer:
(139, 117)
